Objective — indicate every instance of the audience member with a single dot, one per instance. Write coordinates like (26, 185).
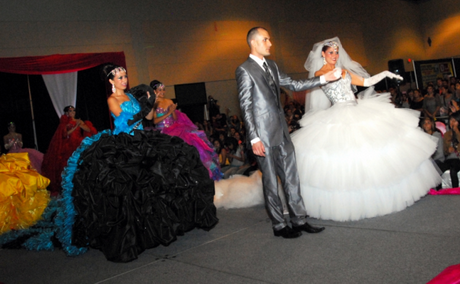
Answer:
(451, 140)
(13, 144)
(417, 102)
(234, 122)
(445, 98)
(457, 92)
(431, 103)
(214, 108)
(437, 89)
(235, 155)
(221, 152)
(428, 125)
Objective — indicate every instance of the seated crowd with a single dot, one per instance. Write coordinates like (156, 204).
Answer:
(228, 135)
(438, 100)
(440, 118)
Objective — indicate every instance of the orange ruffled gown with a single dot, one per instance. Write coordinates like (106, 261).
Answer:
(23, 194)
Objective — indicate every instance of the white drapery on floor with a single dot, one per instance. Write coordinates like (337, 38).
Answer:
(62, 89)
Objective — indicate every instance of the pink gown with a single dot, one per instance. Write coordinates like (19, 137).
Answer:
(184, 128)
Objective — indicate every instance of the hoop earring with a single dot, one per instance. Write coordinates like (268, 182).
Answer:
(113, 88)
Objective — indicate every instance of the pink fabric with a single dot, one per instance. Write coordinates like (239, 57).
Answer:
(35, 157)
(184, 128)
(441, 126)
(450, 275)
(447, 191)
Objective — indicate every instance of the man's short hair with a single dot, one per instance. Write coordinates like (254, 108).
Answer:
(252, 33)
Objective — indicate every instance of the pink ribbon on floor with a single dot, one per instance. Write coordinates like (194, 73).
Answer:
(450, 275)
(447, 191)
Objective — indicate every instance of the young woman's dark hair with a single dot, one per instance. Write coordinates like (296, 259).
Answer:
(155, 84)
(433, 125)
(106, 71)
(66, 109)
(220, 146)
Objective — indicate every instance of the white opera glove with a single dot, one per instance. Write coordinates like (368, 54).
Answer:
(377, 78)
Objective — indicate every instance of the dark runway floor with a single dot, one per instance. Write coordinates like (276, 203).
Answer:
(411, 246)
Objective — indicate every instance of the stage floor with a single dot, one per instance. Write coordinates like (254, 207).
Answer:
(411, 246)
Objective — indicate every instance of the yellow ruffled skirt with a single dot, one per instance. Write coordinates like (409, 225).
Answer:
(23, 194)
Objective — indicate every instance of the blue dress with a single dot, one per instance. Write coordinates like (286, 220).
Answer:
(129, 190)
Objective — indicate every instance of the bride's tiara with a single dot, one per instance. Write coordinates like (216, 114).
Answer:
(332, 44)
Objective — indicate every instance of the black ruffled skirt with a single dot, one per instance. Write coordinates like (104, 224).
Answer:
(131, 193)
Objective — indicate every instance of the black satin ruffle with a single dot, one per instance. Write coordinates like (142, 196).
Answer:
(132, 193)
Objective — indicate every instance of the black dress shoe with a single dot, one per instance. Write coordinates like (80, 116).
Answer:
(308, 228)
(287, 233)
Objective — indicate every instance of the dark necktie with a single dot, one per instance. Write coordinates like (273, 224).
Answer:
(271, 82)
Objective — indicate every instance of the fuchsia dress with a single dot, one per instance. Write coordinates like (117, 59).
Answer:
(184, 128)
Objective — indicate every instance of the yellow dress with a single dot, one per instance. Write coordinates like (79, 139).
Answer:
(23, 194)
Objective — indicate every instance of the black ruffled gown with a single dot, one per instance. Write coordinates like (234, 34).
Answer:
(130, 190)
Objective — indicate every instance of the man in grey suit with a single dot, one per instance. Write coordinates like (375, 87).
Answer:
(259, 82)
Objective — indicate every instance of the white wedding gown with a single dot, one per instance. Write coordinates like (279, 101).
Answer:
(362, 158)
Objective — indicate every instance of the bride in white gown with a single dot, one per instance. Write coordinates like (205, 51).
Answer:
(358, 158)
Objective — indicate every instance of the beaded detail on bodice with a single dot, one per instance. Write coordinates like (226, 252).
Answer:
(165, 123)
(340, 91)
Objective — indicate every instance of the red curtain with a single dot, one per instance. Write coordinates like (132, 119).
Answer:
(59, 63)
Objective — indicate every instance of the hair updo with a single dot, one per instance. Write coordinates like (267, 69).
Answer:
(106, 72)
(155, 84)
(66, 109)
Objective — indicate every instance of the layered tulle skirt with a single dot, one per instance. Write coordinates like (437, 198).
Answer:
(364, 159)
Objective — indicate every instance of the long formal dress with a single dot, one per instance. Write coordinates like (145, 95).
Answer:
(131, 190)
(60, 149)
(184, 128)
(123, 192)
(362, 158)
(23, 194)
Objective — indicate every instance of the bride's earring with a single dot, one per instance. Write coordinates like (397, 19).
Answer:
(324, 60)
(113, 88)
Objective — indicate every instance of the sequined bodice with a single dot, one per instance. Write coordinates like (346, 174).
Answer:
(167, 122)
(16, 145)
(340, 90)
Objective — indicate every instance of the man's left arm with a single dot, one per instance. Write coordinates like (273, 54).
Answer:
(307, 84)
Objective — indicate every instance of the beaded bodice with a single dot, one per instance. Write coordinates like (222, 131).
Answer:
(340, 90)
(165, 123)
(16, 144)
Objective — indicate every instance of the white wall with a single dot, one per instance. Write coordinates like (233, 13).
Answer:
(181, 42)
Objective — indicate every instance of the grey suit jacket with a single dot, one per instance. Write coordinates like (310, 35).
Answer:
(260, 104)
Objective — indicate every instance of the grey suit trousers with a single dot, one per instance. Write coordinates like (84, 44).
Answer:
(280, 161)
